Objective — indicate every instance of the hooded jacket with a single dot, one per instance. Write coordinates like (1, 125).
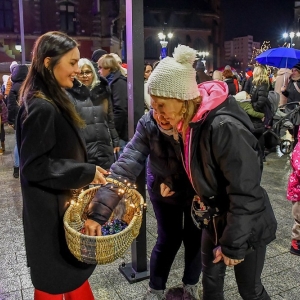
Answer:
(18, 76)
(224, 165)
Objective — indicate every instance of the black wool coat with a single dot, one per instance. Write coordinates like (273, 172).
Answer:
(52, 162)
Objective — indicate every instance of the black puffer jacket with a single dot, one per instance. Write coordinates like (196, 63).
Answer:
(18, 76)
(96, 109)
(164, 166)
(259, 97)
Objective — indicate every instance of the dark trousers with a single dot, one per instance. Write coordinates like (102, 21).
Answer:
(247, 273)
(175, 226)
(2, 133)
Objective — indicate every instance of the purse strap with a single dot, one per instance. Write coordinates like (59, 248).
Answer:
(296, 87)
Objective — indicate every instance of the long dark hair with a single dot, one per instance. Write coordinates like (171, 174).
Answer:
(40, 81)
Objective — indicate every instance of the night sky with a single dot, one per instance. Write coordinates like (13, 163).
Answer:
(264, 19)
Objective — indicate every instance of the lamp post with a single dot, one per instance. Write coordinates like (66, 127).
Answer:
(291, 34)
(202, 55)
(164, 44)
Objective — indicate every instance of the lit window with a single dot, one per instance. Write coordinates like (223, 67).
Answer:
(67, 17)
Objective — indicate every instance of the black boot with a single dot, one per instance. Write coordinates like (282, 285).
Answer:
(16, 172)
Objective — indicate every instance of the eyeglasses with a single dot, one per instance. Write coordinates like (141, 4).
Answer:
(86, 73)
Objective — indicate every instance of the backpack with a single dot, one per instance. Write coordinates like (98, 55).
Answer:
(274, 99)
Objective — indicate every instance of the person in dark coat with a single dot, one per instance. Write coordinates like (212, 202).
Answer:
(292, 92)
(229, 80)
(52, 164)
(18, 76)
(201, 76)
(260, 102)
(110, 69)
(171, 195)
(92, 101)
(222, 160)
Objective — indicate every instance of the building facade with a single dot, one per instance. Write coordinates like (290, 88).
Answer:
(93, 23)
(238, 52)
(102, 23)
(197, 25)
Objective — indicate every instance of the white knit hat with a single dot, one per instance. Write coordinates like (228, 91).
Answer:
(175, 77)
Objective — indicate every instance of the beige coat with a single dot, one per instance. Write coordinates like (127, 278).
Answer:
(282, 79)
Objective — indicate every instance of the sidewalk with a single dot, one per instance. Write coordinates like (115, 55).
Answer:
(280, 276)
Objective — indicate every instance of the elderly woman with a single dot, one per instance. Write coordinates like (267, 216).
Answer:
(91, 97)
(111, 70)
(223, 163)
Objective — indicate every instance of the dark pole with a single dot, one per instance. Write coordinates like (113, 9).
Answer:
(137, 270)
(21, 14)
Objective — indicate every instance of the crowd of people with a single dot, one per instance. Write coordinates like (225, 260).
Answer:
(201, 139)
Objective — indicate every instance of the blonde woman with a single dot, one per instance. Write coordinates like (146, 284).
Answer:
(217, 75)
(92, 98)
(111, 70)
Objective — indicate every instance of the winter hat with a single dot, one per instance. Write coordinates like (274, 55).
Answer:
(249, 74)
(200, 65)
(227, 67)
(12, 66)
(97, 54)
(240, 96)
(175, 77)
(297, 66)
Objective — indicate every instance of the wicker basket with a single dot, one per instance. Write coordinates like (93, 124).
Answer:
(102, 249)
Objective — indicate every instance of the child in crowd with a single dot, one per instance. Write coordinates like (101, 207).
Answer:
(293, 195)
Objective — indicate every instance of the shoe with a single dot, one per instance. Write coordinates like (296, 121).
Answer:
(190, 292)
(1, 151)
(295, 247)
(154, 295)
(3, 147)
(16, 172)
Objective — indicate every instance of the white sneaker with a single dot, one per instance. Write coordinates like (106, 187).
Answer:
(154, 295)
(190, 292)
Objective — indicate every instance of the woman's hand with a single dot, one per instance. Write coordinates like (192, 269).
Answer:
(165, 191)
(92, 228)
(283, 88)
(227, 261)
(99, 176)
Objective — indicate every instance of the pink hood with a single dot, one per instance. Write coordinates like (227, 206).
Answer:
(213, 93)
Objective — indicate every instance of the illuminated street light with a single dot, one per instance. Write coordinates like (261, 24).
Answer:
(291, 34)
(164, 43)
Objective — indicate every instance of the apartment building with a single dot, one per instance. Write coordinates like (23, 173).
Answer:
(239, 51)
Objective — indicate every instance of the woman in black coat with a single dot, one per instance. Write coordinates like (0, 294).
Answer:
(92, 99)
(52, 164)
(110, 69)
(260, 102)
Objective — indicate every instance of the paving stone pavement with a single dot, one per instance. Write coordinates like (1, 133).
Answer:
(280, 274)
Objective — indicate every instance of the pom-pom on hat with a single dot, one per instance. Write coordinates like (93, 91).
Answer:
(175, 77)
(297, 66)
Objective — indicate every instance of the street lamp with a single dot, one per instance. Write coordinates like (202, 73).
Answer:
(202, 55)
(291, 34)
(164, 43)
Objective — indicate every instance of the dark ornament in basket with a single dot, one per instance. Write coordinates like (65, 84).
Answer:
(103, 249)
